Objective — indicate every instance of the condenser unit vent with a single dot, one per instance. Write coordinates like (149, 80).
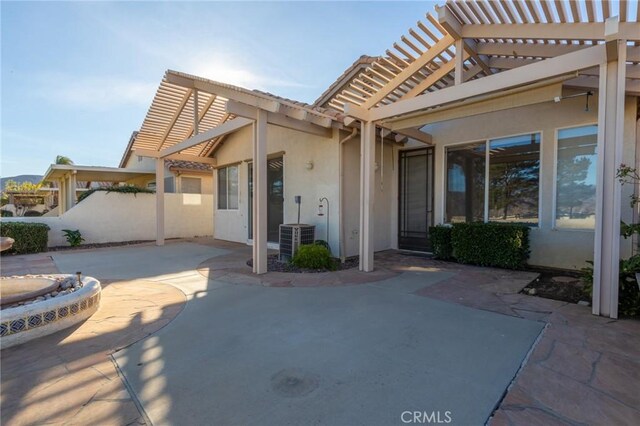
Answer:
(293, 236)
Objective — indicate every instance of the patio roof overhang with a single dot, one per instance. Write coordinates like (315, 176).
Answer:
(477, 57)
(56, 172)
(190, 116)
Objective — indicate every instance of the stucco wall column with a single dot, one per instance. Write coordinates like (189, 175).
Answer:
(260, 193)
(367, 186)
(159, 201)
(608, 192)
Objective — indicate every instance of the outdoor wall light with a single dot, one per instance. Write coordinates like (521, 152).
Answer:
(309, 165)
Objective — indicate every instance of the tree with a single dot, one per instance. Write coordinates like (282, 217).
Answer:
(572, 191)
(61, 159)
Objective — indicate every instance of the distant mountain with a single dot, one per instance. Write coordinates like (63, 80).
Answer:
(20, 179)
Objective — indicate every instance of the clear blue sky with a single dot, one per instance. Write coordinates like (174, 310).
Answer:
(78, 77)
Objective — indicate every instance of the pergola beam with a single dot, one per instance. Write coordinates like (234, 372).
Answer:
(455, 29)
(409, 71)
(555, 31)
(182, 157)
(222, 129)
(174, 118)
(223, 90)
(490, 103)
(633, 71)
(528, 74)
(247, 111)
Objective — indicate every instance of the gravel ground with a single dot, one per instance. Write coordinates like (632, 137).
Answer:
(274, 265)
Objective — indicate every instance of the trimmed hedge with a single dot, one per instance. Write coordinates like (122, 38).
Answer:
(491, 244)
(440, 237)
(29, 237)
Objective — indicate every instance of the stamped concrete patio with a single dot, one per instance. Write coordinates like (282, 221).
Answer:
(340, 348)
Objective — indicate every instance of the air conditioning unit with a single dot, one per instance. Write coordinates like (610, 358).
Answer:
(293, 236)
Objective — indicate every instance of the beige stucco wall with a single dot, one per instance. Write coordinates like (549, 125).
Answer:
(549, 246)
(147, 163)
(299, 148)
(111, 217)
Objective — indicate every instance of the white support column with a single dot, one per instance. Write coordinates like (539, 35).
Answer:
(69, 191)
(367, 186)
(62, 196)
(260, 193)
(608, 192)
(159, 201)
(459, 72)
(72, 188)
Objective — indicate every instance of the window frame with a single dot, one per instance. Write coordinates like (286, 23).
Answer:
(487, 142)
(554, 202)
(226, 168)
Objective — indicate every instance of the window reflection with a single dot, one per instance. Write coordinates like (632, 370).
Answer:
(576, 178)
(465, 183)
(514, 175)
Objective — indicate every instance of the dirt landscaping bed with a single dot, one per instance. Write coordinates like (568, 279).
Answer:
(555, 284)
(274, 265)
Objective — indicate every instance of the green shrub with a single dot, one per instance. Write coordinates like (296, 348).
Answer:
(125, 189)
(74, 238)
(313, 256)
(32, 213)
(491, 244)
(628, 291)
(440, 237)
(323, 243)
(6, 213)
(29, 237)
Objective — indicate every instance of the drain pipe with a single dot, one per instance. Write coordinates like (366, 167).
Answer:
(341, 241)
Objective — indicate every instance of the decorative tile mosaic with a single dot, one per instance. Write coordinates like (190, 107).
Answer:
(47, 317)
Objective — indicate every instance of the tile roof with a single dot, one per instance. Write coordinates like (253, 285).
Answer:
(188, 165)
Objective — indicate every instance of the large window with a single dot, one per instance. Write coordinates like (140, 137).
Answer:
(228, 188)
(465, 183)
(514, 179)
(504, 190)
(576, 178)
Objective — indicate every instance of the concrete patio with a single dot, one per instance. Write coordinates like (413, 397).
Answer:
(340, 348)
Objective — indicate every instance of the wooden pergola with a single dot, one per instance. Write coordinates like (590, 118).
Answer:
(189, 119)
(474, 57)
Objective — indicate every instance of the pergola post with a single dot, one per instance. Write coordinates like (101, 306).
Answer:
(71, 193)
(62, 196)
(367, 185)
(260, 193)
(160, 201)
(459, 62)
(608, 201)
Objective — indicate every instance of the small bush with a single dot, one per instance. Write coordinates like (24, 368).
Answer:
(74, 238)
(126, 189)
(440, 237)
(32, 213)
(29, 237)
(491, 244)
(6, 213)
(313, 256)
(324, 244)
(628, 291)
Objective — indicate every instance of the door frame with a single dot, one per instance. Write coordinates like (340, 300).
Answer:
(429, 152)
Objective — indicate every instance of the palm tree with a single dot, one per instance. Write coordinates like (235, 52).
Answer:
(61, 159)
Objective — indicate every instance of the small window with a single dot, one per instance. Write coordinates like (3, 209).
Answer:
(228, 188)
(191, 185)
(169, 185)
(576, 178)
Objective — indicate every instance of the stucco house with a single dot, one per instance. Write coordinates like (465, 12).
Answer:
(484, 111)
